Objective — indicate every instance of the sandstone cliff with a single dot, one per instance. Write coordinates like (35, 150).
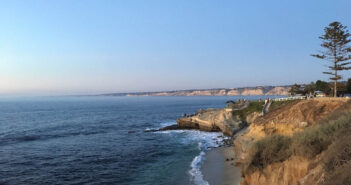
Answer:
(291, 118)
(218, 120)
(294, 117)
(246, 91)
(295, 170)
(227, 121)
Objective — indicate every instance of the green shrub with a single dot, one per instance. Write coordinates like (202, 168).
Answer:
(269, 150)
(337, 162)
(308, 143)
(254, 106)
(340, 176)
(338, 154)
(313, 141)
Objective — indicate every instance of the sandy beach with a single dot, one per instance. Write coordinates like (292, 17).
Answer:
(218, 171)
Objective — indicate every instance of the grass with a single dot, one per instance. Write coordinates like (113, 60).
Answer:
(278, 104)
(254, 106)
(308, 143)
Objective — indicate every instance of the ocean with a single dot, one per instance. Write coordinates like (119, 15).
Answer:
(102, 140)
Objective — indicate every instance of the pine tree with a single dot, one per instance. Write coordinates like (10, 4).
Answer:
(335, 41)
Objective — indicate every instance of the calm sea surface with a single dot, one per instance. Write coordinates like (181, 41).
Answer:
(101, 140)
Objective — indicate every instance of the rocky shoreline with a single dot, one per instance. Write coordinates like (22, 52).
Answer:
(284, 119)
(212, 120)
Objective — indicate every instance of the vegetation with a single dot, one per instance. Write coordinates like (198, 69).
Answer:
(335, 41)
(317, 86)
(278, 104)
(295, 89)
(313, 141)
(308, 143)
(309, 88)
(254, 106)
(266, 151)
(348, 86)
(323, 86)
(337, 163)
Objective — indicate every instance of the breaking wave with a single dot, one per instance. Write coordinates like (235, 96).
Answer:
(205, 141)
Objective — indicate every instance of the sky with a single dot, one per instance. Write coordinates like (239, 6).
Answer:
(62, 47)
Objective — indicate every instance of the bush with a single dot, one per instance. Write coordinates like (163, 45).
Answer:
(254, 106)
(338, 154)
(308, 143)
(337, 161)
(341, 176)
(312, 141)
(269, 150)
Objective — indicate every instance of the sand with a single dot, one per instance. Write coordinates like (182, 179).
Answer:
(218, 171)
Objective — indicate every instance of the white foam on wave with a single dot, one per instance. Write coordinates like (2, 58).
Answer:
(168, 123)
(195, 172)
(161, 125)
(206, 141)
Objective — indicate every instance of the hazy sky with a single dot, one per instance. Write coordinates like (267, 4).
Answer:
(74, 47)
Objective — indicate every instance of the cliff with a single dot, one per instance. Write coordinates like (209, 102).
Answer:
(227, 121)
(212, 120)
(297, 142)
(246, 91)
(290, 144)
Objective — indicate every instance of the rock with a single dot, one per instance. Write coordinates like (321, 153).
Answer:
(303, 124)
(212, 120)
(286, 120)
(252, 117)
(171, 127)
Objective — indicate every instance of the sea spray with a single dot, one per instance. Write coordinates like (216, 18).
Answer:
(205, 141)
(195, 172)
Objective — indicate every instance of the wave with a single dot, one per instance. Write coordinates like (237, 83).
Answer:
(168, 123)
(195, 172)
(38, 135)
(205, 141)
(161, 125)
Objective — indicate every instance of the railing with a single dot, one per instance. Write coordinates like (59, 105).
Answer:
(290, 98)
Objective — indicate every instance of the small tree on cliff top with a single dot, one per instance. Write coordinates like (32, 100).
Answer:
(335, 41)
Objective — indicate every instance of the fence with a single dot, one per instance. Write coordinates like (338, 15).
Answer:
(290, 98)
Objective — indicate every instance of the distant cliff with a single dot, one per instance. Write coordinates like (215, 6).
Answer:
(246, 91)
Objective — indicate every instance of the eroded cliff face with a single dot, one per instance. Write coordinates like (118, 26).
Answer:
(261, 90)
(295, 170)
(250, 92)
(212, 120)
(294, 117)
(278, 90)
(286, 120)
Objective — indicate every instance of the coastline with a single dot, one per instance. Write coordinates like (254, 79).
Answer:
(217, 170)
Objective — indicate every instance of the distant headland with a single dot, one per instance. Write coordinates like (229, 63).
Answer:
(242, 91)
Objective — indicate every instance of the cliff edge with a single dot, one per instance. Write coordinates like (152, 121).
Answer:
(290, 144)
(212, 120)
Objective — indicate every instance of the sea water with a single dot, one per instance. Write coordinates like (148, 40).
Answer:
(102, 140)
